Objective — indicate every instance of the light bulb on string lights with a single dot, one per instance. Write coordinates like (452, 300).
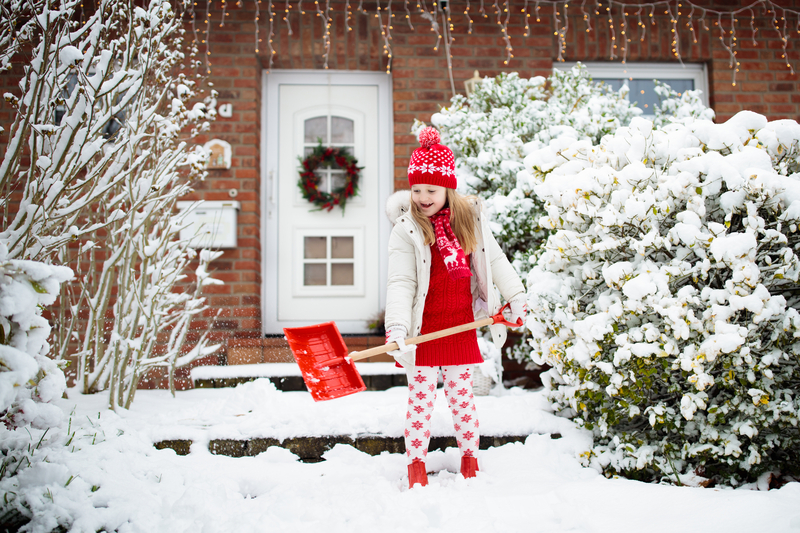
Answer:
(258, 17)
(527, 18)
(286, 8)
(408, 15)
(504, 28)
(620, 17)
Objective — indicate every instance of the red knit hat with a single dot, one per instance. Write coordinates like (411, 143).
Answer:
(432, 163)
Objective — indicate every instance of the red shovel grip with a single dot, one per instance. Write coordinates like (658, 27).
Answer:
(500, 319)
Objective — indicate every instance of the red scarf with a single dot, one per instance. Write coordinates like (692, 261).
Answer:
(452, 254)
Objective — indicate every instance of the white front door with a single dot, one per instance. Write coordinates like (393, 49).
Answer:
(323, 266)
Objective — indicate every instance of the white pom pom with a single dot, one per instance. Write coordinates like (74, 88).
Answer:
(428, 137)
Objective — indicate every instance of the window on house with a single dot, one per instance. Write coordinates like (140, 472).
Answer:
(329, 262)
(330, 131)
(639, 79)
(111, 128)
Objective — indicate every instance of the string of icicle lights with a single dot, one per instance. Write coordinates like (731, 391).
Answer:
(683, 16)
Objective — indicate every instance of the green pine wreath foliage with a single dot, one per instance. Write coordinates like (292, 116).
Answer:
(323, 156)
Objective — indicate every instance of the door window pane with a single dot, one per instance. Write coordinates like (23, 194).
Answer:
(342, 131)
(342, 274)
(315, 274)
(337, 180)
(316, 129)
(315, 248)
(342, 247)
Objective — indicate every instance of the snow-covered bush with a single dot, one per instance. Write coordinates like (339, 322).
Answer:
(507, 117)
(96, 155)
(29, 380)
(666, 299)
(674, 107)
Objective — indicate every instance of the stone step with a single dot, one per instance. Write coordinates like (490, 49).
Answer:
(286, 376)
(311, 449)
(276, 349)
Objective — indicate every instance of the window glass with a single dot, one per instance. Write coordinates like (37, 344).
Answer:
(342, 130)
(642, 91)
(342, 247)
(342, 274)
(316, 129)
(315, 274)
(315, 248)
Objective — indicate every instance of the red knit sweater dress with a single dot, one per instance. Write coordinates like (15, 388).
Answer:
(448, 304)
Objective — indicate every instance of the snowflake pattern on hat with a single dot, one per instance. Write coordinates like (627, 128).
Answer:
(432, 163)
(458, 391)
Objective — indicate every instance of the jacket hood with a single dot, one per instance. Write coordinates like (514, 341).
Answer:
(397, 205)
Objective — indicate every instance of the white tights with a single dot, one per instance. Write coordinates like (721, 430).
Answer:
(421, 397)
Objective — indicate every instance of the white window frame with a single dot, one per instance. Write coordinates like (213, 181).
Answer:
(315, 291)
(698, 72)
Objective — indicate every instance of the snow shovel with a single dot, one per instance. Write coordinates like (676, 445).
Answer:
(328, 370)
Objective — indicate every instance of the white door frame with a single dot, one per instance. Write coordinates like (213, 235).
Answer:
(270, 106)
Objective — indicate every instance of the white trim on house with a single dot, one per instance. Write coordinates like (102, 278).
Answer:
(270, 83)
(698, 72)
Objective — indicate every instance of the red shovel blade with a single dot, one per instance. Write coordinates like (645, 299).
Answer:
(321, 354)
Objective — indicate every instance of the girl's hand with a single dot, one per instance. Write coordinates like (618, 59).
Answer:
(404, 355)
(519, 309)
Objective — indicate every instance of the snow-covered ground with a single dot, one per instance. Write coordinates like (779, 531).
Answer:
(538, 486)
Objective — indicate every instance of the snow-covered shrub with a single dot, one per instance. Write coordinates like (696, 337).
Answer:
(666, 299)
(674, 107)
(97, 156)
(507, 117)
(29, 380)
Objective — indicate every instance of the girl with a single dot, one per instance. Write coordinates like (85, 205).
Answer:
(443, 265)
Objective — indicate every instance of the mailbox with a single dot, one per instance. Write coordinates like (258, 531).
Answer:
(211, 224)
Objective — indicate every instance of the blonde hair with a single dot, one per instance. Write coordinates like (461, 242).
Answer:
(462, 220)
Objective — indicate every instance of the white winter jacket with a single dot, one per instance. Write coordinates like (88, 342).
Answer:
(409, 270)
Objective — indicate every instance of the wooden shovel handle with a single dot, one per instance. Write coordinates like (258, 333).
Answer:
(357, 356)
(495, 319)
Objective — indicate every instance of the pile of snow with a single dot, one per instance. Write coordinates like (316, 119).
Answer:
(666, 299)
(111, 478)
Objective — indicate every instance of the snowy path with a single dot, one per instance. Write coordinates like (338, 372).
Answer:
(533, 487)
(257, 410)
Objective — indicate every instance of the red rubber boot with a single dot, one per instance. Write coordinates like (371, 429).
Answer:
(469, 465)
(417, 473)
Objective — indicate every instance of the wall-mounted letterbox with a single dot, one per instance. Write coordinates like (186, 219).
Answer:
(211, 224)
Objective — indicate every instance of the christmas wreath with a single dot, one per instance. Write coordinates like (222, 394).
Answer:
(309, 180)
